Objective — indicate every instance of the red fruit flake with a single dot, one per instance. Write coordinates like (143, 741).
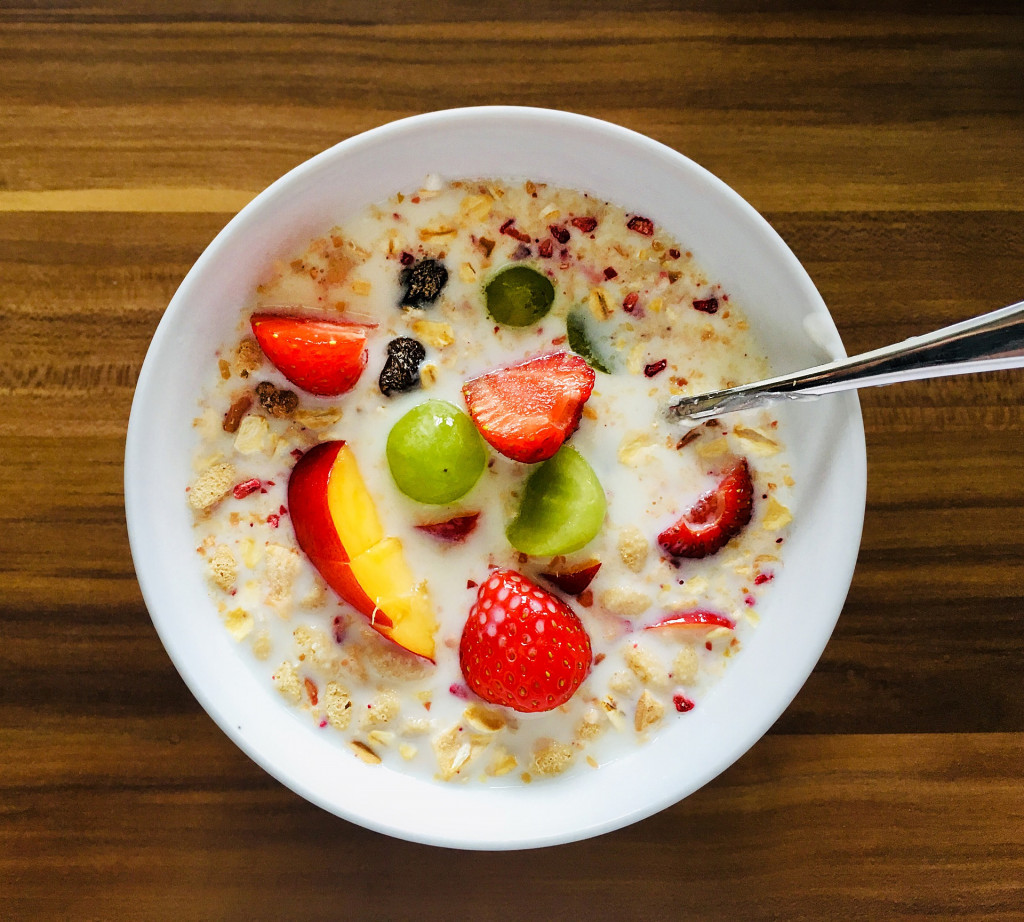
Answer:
(339, 627)
(459, 690)
(610, 273)
(629, 303)
(707, 305)
(311, 690)
(715, 518)
(584, 223)
(297, 453)
(407, 259)
(561, 234)
(245, 488)
(510, 230)
(643, 226)
(523, 647)
(763, 578)
(545, 249)
(674, 253)
(655, 367)
(682, 703)
(273, 520)
(456, 528)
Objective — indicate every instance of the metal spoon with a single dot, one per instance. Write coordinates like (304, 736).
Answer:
(986, 343)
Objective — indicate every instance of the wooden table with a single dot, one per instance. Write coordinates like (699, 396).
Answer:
(888, 150)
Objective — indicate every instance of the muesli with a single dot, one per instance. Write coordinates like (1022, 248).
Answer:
(438, 500)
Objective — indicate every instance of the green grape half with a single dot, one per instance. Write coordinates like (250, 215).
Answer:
(519, 296)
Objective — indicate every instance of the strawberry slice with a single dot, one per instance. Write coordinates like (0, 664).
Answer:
(457, 528)
(715, 519)
(323, 357)
(522, 647)
(526, 411)
(694, 621)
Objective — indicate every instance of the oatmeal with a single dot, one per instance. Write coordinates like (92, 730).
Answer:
(436, 453)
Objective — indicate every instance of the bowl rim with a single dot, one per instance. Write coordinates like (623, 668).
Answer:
(855, 468)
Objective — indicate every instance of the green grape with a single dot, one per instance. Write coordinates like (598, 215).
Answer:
(435, 453)
(562, 509)
(519, 296)
(582, 340)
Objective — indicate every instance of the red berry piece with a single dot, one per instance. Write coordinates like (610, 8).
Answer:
(584, 223)
(640, 225)
(706, 305)
(714, 519)
(574, 580)
(457, 528)
(526, 411)
(323, 357)
(522, 647)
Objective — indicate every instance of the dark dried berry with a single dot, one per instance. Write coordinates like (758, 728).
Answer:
(707, 305)
(423, 282)
(560, 234)
(276, 402)
(401, 371)
(584, 223)
(640, 225)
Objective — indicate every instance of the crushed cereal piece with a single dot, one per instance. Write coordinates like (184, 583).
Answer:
(211, 486)
(434, 333)
(776, 515)
(222, 567)
(621, 600)
(635, 448)
(338, 706)
(502, 762)
(552, 757)
(262, 645)
(633, 548)
(686, 665)
(248, 357)
(253, 436)
(622, 682)
(381, 710)
(645, 665)
(591, 726)
(239, 623)
(649, 710)
(381, 737)
(455, 748)
(281, 569)
(407, 751)
(286, 680)
(484, 719)
(757, 442)
(317, 419)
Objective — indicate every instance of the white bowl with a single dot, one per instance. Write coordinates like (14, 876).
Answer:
(732, 242)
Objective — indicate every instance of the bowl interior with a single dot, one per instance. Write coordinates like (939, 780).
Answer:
(733, 243)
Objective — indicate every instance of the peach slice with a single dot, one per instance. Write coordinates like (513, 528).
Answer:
(338, 529)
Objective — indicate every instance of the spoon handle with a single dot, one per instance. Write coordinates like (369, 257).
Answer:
(986, 343)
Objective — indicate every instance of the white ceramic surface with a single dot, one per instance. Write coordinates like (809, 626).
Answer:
(735, 245)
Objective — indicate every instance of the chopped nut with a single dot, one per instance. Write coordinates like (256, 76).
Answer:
(649, 710)
(381, 737)
(211, 486)
(239, 407)
(428, 375)
(757, 442)
(623, 601)
(318, 419)
(633, 548)
(484, 719)
(455, 748)
(364, 752)
(614, 714)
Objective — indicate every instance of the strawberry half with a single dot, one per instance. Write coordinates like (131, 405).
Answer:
(522, 647)
(715, 519)
(526, 411)
(323, 357)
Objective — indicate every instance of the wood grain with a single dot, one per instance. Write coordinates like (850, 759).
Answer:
(882, 141)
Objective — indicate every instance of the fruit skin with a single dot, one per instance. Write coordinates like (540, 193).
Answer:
(697, 621)
(323, 357)
(527, 410)
(528, 651)
(562, 508)
(322, 511)
(714, 519)
(455, 529)
(575, 580)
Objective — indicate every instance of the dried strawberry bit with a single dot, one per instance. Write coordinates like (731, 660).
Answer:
(707, 305)
(655, 367)
(311, 691)
(238, 409)
(674, 253)
(406, 259)
(640, 225)
(339, 629)
(471, 584)
(296, 453)
(763, 578)
(682, 703)
(509, 229)
(243, 489)
(459, 690)
(273, 520)
(545, 249)
(584, 223)
(610, 273)
(629, 303)
(561, 234)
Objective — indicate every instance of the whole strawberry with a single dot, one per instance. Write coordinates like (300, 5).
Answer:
(522, 647)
